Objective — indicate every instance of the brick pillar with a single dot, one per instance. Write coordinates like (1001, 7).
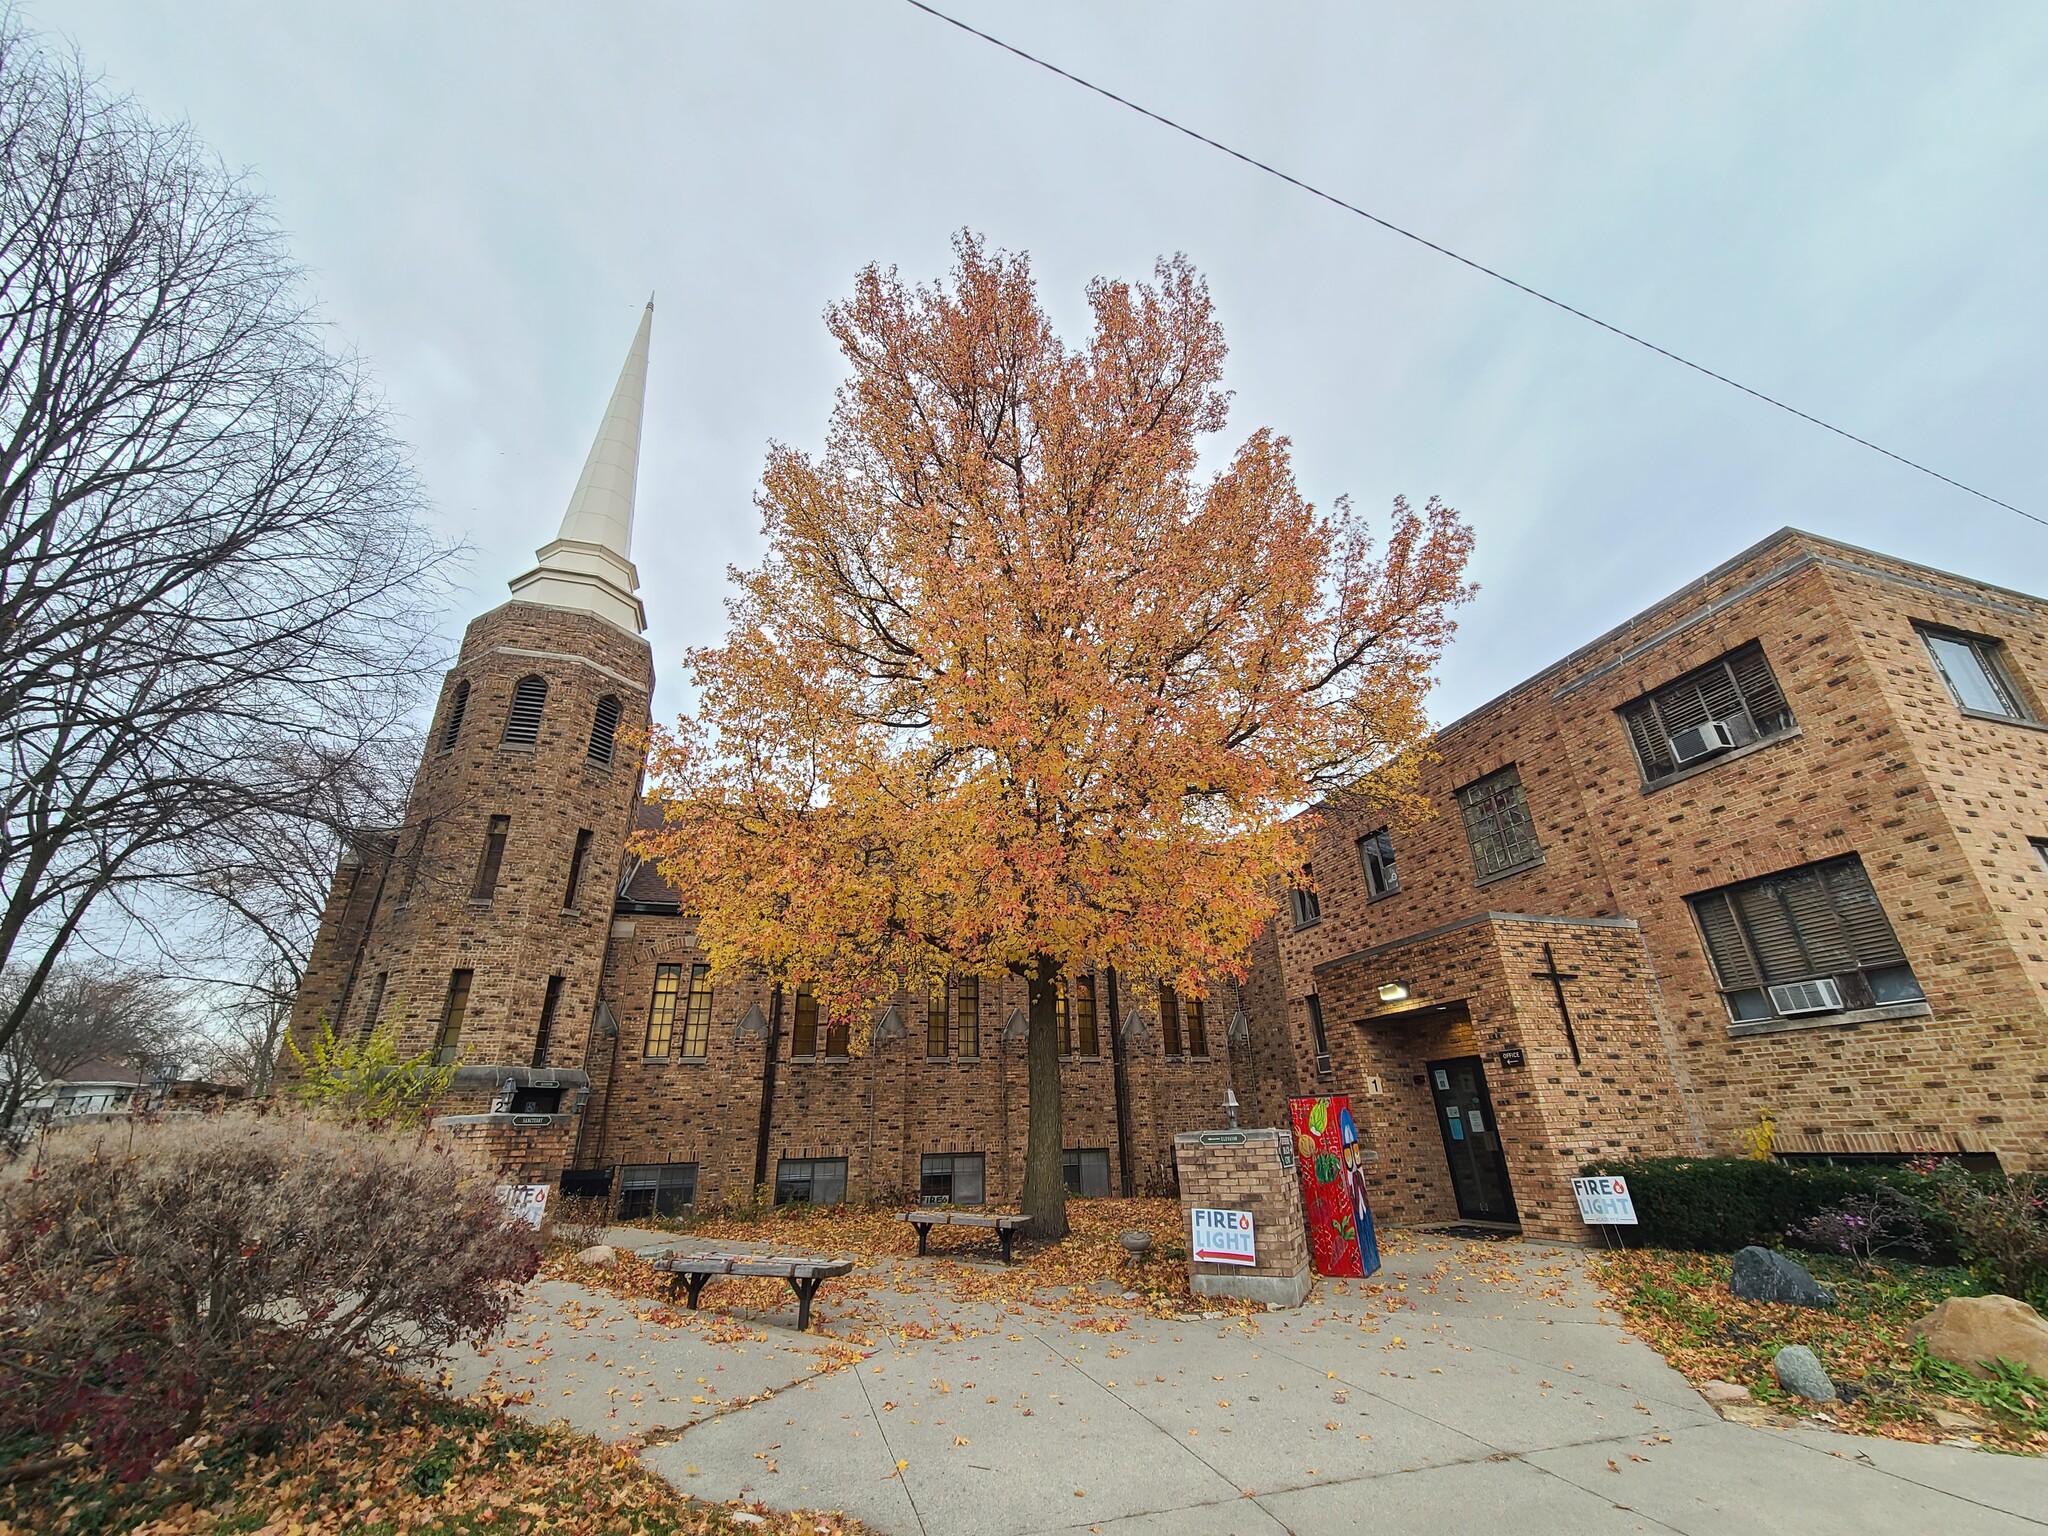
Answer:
(1247, 1171)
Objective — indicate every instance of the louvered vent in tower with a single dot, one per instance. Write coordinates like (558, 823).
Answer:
(604, 729)
(529, 698)
(457, 708)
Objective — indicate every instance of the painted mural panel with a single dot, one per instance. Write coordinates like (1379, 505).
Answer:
(1340, 1230)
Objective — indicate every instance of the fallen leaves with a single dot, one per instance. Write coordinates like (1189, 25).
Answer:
(1681, 1306)
(406, 1459)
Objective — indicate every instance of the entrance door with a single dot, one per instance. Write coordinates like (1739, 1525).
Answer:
(1479, 1170)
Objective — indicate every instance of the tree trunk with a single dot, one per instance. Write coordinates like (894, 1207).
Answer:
(1045, 1185)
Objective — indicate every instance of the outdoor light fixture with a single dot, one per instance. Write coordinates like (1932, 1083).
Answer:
(1393, 991)
(1230, 1106)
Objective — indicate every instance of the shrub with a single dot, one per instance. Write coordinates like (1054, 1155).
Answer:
(366, 1079)
(1884, 1220)
(236, 1271)
(2001, 1227)
(580, 1220)
(1720, 1204)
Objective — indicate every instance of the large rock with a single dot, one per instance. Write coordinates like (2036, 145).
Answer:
(1799, 1372)
(1970, 1330)
(1763, 1275)
(598, 1256)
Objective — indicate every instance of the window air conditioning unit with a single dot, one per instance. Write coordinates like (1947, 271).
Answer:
(1820, 995)
(1696, 742)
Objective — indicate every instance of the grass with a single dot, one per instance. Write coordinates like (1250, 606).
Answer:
(407, 1460)
(1680, 1303)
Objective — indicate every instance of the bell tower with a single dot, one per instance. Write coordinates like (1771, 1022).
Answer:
(478, 928)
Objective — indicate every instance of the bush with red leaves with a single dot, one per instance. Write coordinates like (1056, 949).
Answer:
(237, 1272)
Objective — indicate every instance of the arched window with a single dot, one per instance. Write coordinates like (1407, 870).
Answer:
(604, 730)
(529, 698)
(457, 708)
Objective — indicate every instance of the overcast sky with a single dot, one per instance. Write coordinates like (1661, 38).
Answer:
(1842, 204)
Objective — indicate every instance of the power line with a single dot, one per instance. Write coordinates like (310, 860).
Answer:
(1477, 266)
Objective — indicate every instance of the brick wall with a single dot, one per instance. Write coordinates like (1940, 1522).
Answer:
(425, 925)
(1882, 764)
(1251, 1171)
(883, 1111)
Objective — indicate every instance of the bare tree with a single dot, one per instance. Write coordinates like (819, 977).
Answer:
(240, 922)
(82, 1013)
(215, 590)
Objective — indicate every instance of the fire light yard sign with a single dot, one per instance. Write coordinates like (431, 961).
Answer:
(1605, 1202)
(1222, 1237)
(525, 1202)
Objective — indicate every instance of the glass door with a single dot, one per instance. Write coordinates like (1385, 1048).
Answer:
(1464, 1113)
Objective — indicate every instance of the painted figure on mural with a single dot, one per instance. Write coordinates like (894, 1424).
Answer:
(1361, 1209)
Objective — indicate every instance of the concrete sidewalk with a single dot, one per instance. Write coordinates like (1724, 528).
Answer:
(1478, 1384)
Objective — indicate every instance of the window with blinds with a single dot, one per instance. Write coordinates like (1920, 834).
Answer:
(1497, 825)
(1818, 923)
(604, 730)
(1738, 690)
(522, 722)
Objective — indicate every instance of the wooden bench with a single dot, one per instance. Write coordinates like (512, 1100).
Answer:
(1006, 1227)
(692, 1270)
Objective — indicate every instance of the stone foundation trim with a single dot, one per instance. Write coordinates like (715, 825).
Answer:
(1275, 1290)
(485, 1078)
(1831, 1020)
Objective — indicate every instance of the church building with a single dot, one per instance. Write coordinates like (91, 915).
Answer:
(1763, 869)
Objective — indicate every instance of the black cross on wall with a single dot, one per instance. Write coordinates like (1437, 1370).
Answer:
(1557, 979)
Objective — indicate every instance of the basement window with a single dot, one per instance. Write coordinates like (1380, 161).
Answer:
(656, 1189)
(810, 1181)
(1086, 1171)
(950, 1178)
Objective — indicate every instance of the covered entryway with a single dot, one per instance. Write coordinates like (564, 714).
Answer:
(1471, 1135)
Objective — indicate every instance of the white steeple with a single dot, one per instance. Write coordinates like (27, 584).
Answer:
(589, 566)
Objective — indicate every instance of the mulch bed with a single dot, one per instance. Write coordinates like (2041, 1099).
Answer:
(1680, 1304)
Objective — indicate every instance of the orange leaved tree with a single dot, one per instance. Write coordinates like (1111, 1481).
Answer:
(1018, 685)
